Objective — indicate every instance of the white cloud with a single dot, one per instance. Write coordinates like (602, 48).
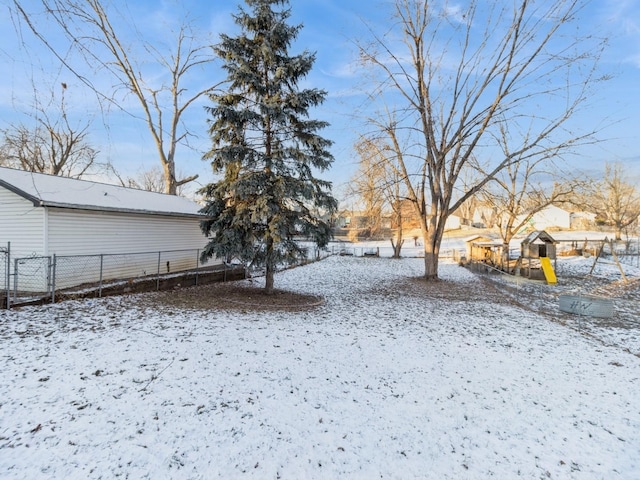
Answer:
(455, 13)
(624, 19)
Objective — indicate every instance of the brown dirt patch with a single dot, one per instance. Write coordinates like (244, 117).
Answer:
(238, 296)
(481, 290)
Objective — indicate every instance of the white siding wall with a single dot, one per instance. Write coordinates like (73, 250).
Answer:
(122, 239)
(452, 223)
(84, 232)
(22, 224)
(129, 244)
(552, 217)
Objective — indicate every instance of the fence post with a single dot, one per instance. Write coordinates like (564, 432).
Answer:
(52, 270)
(158, 277)
(197, 264)
(15, 281)
(101, 270)
(8, 275)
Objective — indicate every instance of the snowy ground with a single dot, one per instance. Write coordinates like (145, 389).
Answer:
(389, 378)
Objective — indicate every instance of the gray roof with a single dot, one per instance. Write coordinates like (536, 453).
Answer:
(63, 192)
(538, 235)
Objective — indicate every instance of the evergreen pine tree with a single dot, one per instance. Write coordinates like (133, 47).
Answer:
(266, 147)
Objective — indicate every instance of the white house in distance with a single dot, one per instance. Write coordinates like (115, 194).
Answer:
(43, 215)
(548, 218)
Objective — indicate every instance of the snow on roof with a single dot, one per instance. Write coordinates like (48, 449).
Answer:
(64, 192)
(538, 235)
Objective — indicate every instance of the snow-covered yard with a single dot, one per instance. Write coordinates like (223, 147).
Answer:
(388, 378)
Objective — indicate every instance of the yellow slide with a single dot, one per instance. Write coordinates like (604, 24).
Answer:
(547, 268)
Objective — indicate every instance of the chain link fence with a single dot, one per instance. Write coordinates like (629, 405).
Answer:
(39, 277)
(351, 249)
(73, 270)
(42, 277)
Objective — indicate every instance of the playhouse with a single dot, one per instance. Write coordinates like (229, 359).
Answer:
(537, 251)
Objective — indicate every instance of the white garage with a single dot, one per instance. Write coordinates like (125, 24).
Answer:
(46, 216)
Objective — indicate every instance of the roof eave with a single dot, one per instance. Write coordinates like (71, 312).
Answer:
(38, 202)
(118, 210)
(35, 200)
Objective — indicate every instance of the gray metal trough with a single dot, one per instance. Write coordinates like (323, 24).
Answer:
(588, 305)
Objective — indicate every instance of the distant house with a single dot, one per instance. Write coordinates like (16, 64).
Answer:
(548, 218)
(411, 220)
(352, 219)
(42, 215)
(453, 223)
(483, 217)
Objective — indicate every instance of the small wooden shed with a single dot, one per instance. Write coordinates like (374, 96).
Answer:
(538, 244)
(483, 249)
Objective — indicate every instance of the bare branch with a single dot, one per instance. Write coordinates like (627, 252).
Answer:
(90, 30)
(450, 87)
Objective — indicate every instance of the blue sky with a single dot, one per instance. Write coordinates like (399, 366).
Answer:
(330, 27)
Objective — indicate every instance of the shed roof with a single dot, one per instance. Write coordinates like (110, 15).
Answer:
(64, 192)
(538, 235)
(478, 238)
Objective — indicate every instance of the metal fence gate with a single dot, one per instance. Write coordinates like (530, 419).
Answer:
(32, 277)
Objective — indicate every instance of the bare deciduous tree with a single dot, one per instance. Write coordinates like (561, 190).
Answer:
(366, 186)
(50, 145)
(452, 76)
(378, 184)
(88, 27)
(468, 209)
(523, 188)
(516, 197)
(615, 200)
(151, 180)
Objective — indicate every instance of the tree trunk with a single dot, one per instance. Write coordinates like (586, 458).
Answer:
(431, 241)
(504, 261)
(169, 178)
(270, 268)
(397, 244)
(430, 266)
(268, 286)
(397, 247)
